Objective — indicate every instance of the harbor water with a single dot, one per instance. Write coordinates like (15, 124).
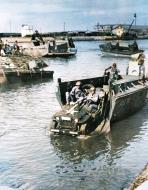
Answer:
(33, 159)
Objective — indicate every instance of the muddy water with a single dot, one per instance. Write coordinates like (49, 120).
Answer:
(32, 159)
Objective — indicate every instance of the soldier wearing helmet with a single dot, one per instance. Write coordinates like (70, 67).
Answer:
(76, 92)
(37, 38)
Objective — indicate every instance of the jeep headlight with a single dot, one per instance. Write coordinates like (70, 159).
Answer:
(57, 118)
(65, 118)
(76, 120)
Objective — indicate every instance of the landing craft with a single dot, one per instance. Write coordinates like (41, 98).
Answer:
(120, 49)
(54, 48)
(119, 101)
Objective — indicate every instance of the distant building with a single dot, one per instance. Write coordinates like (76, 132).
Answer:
(103, 28)
(26, 30)
(118, 30)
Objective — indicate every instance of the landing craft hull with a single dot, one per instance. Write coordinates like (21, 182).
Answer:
(45, 51)
(36, 51)
(27, 76)
(128, 103)
(63, 55)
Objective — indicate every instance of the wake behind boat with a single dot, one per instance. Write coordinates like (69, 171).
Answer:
(118, 102)
(122, 50)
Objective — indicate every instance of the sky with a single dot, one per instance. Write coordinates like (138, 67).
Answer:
(55, 15)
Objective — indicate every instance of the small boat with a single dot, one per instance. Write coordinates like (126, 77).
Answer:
(31, 71)
(119, 101)
(126, 50)
(55, 48)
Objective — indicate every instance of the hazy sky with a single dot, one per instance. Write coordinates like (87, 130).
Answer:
(50, 15)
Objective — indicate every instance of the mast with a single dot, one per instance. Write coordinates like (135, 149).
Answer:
(135, 16)
(134, 20)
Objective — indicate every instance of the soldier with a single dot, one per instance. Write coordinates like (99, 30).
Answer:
(93, 98)
(140, 60)
(113, 73)
(135, 45)
(1, 45)
(37, 38)
(76, 92)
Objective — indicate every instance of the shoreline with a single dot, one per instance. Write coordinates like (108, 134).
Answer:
(141, 180)
(75, 38)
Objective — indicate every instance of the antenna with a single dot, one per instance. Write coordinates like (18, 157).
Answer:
(64, 26)
(10, 26)
(135, 16)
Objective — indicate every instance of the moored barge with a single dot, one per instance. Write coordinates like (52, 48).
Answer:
(24, 69)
